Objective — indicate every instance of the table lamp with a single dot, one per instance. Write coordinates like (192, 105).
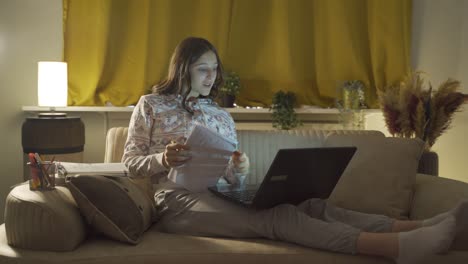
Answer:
(52, 85)
(52, 134)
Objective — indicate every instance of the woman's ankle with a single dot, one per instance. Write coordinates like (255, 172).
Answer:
(378, 244)
(405, 225)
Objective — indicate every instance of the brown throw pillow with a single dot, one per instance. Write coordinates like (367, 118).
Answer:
(114, 206)
(379, 178)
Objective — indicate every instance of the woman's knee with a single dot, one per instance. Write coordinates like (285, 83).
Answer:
(314, 207)
(274, 222)
(284, 209)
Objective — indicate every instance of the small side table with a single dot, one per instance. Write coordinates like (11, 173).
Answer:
(52, 135)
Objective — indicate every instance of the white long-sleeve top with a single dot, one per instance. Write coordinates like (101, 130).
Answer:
(159, 119)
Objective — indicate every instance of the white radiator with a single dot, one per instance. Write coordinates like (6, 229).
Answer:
(261, 146)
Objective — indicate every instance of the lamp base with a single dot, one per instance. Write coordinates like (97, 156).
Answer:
(51, 115)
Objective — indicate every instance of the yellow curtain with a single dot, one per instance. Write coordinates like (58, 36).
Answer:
(117, 49)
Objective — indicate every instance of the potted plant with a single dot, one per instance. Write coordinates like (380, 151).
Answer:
(353, 95)
(230, 89)
(412, 110)
(284, 116)
(351, 104)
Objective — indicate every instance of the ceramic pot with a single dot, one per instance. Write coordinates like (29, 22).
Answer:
(227, 100)
(429, 163)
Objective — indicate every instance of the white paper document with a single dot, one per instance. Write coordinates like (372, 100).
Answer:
(105, 169)
(210, 156)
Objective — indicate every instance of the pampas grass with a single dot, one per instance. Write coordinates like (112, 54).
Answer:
(412, 110)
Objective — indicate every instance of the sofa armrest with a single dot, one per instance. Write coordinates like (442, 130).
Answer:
(43, 220)
(434, 195)
(115, 143)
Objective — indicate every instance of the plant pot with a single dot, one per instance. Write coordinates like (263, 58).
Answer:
(429, 163)
(228, 100)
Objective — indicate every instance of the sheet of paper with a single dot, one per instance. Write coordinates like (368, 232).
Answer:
(106, 169)
(210, 156)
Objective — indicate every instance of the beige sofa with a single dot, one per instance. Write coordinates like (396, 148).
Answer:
(431, 196)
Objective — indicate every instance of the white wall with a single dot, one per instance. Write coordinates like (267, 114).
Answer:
(439, 30)
(440, 48)
(31, 30)
(463, 66)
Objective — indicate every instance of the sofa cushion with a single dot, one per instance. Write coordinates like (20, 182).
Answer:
(43, 220)
(158, 247)
(380, 176)
(114, 206)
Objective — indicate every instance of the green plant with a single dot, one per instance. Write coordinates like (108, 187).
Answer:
(284, 116)
(231, 84)
(351, 103)
(353, 95)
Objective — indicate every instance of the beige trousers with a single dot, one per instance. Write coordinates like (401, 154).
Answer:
(314, 223)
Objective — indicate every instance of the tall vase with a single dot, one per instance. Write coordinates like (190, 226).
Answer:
(429, 163)
(227, 100)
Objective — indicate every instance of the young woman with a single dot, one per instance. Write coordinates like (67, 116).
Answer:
(158, 127)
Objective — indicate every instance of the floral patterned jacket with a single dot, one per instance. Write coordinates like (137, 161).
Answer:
(159, 119)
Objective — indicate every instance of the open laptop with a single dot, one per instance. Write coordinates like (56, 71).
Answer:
(294, 176)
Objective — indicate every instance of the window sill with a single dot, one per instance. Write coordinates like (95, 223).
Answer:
(309, 114)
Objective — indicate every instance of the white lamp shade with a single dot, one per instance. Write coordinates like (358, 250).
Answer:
(52, 84)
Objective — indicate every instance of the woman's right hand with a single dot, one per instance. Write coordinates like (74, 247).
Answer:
(241, 162)
(176, 155)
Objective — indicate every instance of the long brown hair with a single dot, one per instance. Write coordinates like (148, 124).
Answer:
(187, 52)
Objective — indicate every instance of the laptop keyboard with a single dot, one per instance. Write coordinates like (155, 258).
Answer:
(244, 195)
